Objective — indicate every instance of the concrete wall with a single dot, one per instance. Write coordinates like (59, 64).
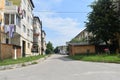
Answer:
(2, 4)
(81, 49)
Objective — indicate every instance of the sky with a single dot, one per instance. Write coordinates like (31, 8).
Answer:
(62, 19)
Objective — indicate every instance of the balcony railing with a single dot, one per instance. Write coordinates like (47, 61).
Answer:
(36, 34)
(11, 8)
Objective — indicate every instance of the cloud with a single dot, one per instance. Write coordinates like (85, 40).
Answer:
(62, 29)
(46, 4)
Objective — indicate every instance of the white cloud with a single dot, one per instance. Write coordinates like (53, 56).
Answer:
(46, 4)
(64, 28)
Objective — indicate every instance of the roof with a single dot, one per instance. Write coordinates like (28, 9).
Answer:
(80, 33)
(32, 3)
(81, 43)
(38, 19)
(43, 32)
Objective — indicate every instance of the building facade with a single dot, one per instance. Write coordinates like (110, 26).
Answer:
(17, 25)
(43, 42)
(62, 49)
(37, 35)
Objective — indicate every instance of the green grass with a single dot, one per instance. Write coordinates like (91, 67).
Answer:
(97, 58)
(20, 60)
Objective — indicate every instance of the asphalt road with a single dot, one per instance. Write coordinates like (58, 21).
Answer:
(58, 67)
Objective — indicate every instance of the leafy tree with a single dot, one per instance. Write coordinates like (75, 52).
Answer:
(50, 48)
(103, 21)
(56, 50)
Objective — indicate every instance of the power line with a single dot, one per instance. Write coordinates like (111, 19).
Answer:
(68, 12)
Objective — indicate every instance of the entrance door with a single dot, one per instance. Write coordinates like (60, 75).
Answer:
(23, 48)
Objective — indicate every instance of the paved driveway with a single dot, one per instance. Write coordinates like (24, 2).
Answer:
(57, 67)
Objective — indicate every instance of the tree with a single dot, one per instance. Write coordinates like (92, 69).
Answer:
(50, 48)
(56, 50)
(103, 21)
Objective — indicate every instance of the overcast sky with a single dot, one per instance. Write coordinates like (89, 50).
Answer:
(62, 19)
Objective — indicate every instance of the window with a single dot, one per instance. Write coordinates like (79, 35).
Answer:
(7, 41)
(31, 33)
(8, 3)
(28, 45)
(28, 32)
(12, 18)
(17, 20)
(24, 28)
(28, 19)
(24, 13)
(24, 2)
(9, 19)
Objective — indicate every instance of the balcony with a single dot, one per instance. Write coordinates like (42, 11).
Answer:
(36, 34)
(11, 9)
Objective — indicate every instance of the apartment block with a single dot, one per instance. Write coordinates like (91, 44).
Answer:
(37, 36)
(17, 24)
(43, 42)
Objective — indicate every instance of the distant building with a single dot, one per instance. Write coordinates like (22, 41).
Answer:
(37, 36)
(83, 37)
(62, 49)
(43, 42)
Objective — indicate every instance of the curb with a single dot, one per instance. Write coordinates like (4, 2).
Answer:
(13, 66)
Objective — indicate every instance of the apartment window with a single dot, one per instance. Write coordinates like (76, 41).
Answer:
(24, 13)
(28, 45)
(31, 33)
(7, 41)
(28, 32)
(28, 19)
(12, 19)
(9, 19)
(24, 28)
(17, 20)
(24, 2)
(7, 3)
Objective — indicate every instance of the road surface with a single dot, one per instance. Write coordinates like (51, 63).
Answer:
(58, 67)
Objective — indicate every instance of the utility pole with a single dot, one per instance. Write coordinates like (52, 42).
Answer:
(0, 38)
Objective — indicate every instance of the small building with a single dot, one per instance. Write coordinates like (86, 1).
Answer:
(80, 44)
(78, 48)
(62, 49)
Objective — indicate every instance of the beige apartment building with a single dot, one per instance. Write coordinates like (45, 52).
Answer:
(17, 24)
(43, 42)
(37, 36)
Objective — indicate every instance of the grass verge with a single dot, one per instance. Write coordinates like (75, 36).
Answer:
(20, 60)
(97, 58)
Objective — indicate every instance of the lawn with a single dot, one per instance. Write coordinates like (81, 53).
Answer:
(97, 58)
(20, 60)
